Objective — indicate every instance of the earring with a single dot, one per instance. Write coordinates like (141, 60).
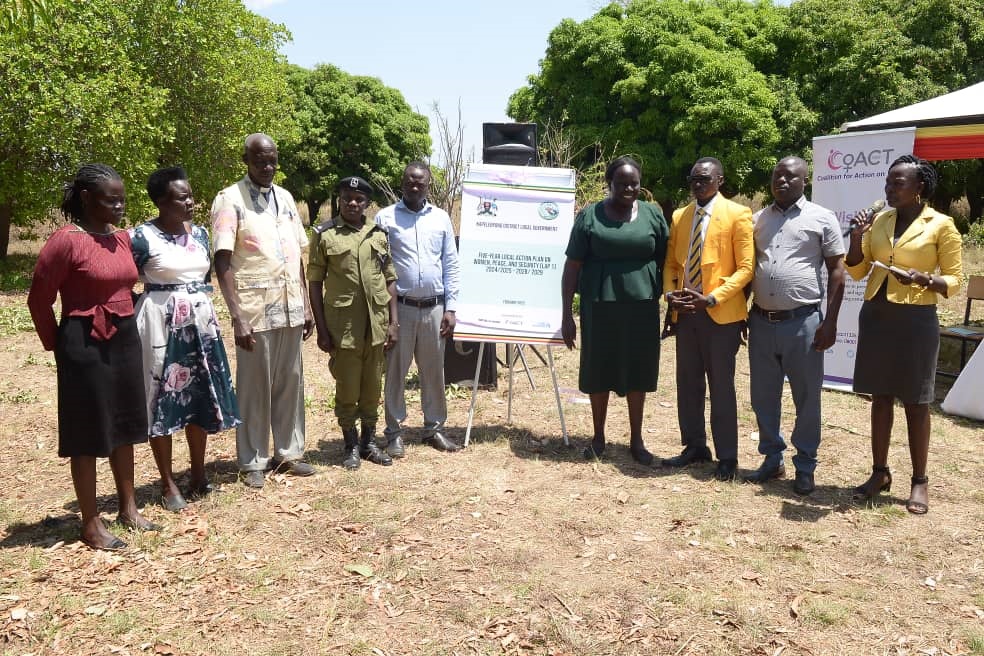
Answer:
(918, 199)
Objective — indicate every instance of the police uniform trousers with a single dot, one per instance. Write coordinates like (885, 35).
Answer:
(270, 387)
(705, 358)
(420, 340)
(358, 373)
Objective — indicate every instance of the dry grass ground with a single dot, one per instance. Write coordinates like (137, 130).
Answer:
(514, 546)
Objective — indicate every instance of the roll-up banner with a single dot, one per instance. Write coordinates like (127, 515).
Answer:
(849, 175)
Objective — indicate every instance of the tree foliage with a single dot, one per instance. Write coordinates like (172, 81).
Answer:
(666, 81)
(747, 82)
(349, 125)
(19, 15)
(136, 84)
(854, 58)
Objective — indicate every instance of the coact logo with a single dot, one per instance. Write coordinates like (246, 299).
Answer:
(838, 160)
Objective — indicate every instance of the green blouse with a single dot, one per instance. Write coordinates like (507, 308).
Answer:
(620, 261)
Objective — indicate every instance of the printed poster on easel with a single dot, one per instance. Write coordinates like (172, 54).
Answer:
(515, 224)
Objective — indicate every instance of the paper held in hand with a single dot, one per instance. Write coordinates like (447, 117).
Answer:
(893, 269)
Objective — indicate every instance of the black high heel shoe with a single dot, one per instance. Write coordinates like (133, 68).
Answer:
(918, 507)
(864, 492)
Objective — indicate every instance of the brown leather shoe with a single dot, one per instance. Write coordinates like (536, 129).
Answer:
(441, 443)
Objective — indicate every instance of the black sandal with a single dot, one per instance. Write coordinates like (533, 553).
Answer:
(592, 452)
(864, 492)
(918, 507)
(641, 455)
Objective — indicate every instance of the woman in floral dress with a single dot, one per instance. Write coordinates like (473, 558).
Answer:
(187, 378)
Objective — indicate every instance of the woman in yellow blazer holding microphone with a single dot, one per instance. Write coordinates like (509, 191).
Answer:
(913, 254)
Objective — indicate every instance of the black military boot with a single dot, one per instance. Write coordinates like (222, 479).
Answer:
(352, 459)
(368, 448)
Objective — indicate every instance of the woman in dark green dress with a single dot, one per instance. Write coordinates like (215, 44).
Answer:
(614, 260)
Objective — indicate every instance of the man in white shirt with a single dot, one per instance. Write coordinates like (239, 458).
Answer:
(258, 238)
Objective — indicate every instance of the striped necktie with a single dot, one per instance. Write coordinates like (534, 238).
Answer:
(696, 243)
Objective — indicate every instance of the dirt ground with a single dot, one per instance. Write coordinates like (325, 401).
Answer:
(516, 545)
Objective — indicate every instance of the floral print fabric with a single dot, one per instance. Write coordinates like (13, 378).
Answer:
(187, 371)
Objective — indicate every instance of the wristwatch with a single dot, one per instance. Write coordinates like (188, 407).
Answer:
(711, 301)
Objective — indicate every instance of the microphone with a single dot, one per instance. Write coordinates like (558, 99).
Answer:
(875, 207)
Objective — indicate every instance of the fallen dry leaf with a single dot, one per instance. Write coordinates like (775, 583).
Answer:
(360, 568)
(794, 607)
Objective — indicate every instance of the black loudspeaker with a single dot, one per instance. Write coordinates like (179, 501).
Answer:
(509, 143)
(460, 359)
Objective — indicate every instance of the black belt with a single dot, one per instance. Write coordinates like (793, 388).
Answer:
(775, 316)
(190, 287)
(421, 302)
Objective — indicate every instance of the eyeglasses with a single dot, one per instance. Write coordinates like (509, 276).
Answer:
(700, 179)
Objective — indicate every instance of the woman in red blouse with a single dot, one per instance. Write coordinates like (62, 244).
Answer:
(101, 408)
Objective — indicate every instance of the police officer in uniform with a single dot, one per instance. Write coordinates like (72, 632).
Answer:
(352, 286)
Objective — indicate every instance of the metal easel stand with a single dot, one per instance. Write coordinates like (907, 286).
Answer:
(511, 361)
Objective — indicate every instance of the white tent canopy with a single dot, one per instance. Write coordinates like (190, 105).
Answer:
(959, 107)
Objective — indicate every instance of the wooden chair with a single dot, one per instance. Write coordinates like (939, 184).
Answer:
(966, 333)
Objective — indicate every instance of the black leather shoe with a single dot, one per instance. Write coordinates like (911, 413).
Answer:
(689, 455)
(352, 459)
(766, 472)
(368, 448)
(294, 467)
(726, 470)
(395, 447)
(803, 484)
(441, 443)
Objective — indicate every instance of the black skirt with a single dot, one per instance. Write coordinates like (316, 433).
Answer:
(898, 345)
(101, 398)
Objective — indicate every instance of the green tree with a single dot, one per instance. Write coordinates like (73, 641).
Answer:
(136, 84)
(854, 58)
(349, 125)
(71, 94)
(225, 79)
(849, 59)
(19, 15)
(669, 81)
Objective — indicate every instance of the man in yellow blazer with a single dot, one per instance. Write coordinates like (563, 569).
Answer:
(710, 259)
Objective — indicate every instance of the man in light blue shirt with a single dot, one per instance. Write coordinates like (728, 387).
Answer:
(421, 239)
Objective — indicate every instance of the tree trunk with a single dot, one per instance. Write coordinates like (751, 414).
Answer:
(6, 214)
(313, 207)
